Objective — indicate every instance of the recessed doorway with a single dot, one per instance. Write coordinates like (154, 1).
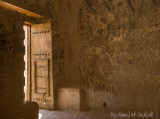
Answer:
(38, 64)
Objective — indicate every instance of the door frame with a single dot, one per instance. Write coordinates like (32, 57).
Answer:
(28, 91)
(29, 56)
(30, 69)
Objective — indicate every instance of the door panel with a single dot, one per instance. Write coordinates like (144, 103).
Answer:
(41, 76)
(41, 65)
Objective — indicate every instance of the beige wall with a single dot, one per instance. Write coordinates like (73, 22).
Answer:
(108, 49)
(111, 52)
(11, 64)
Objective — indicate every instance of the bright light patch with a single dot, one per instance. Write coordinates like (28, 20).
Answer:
(25, 59)
(40, 115)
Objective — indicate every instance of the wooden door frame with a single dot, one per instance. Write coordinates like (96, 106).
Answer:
(28, 62)
(29, 69)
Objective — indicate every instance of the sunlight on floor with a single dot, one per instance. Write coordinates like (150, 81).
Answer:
(51, 114)
(40, 115)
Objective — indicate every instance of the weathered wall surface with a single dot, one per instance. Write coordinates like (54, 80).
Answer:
(112, 51)
(11, 63)
(108, 48)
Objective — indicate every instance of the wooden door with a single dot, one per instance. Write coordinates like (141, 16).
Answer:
(41, 65)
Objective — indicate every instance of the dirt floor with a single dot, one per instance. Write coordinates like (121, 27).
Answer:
(47, 114)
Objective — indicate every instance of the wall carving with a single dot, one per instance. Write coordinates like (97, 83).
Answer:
(120, 48)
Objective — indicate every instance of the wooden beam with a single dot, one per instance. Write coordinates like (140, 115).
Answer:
(18, 9)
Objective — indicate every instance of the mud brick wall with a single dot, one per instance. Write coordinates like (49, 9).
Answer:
(108, 48)
(58, 53)
(11, 63)
(111, 51)
(68, 99)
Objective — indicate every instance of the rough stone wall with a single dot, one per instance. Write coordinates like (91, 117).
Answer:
(11, 63)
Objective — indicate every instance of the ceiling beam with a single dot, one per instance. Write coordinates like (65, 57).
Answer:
(20, 10)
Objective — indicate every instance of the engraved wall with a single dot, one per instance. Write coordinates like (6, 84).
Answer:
(111, 51)
(108, 48)
(120, 50)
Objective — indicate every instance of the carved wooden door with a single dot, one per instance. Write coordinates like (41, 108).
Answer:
(41, 65)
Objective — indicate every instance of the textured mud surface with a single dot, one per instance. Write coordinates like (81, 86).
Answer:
(108, 48)
(120, 49)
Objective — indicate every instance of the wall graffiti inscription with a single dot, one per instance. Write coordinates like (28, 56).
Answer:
(116, 40)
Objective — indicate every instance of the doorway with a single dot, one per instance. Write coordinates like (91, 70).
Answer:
(38, 65)
(25, 60)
